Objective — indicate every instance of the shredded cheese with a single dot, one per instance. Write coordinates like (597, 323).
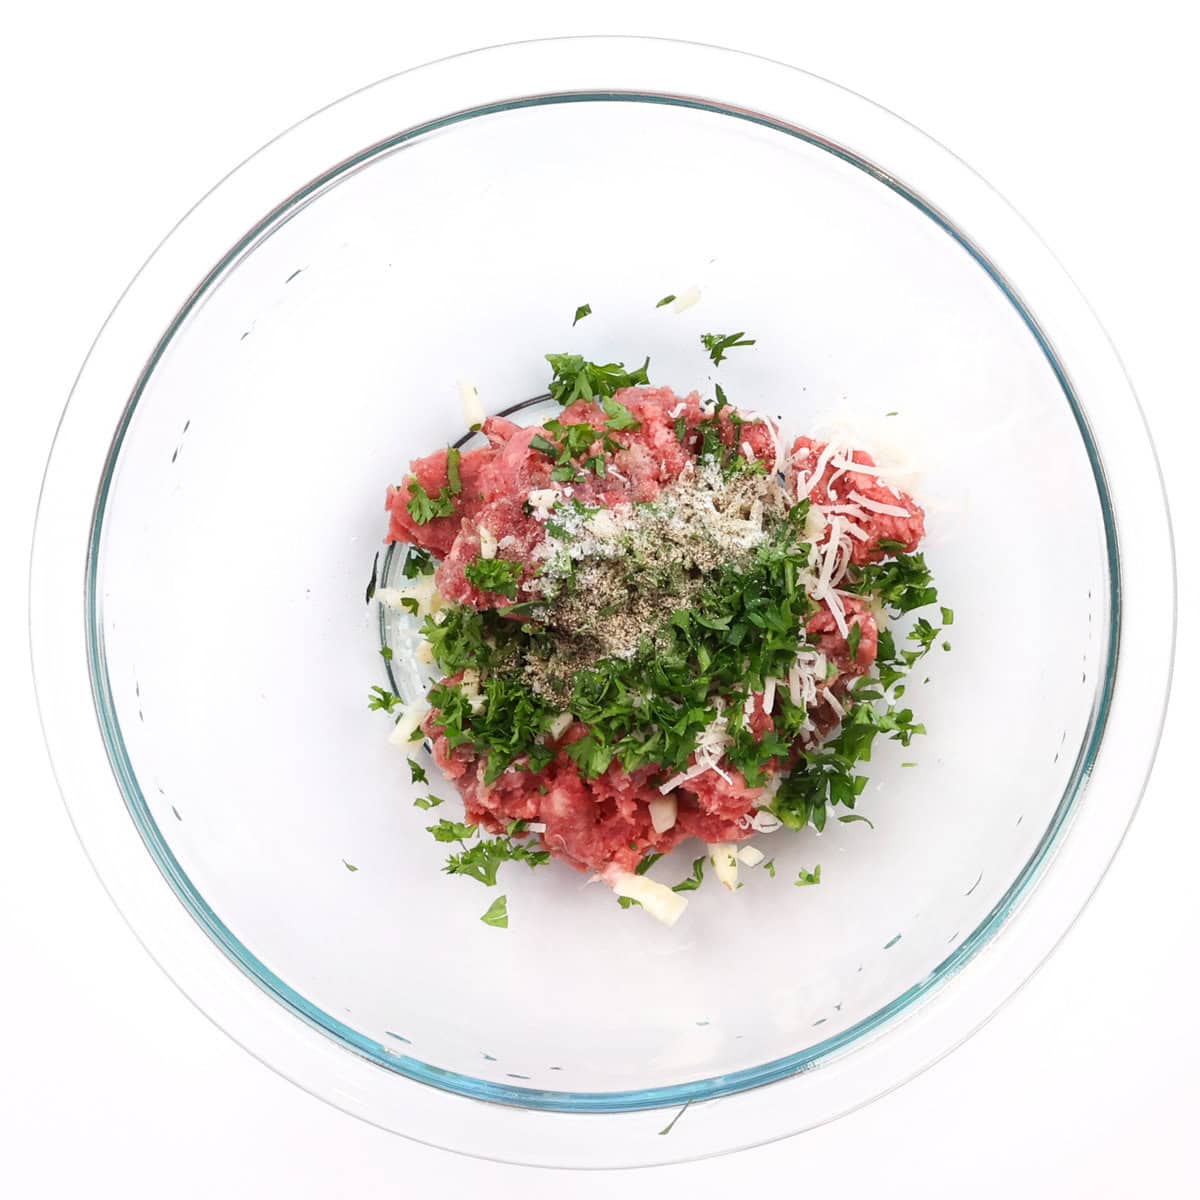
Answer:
(411, 716)
(424, 592)
(487, 543)
(889, 510)
(473, 412)
(723, 856)
(656, 898)
(663, 813)
(560, 725)
(686, 299)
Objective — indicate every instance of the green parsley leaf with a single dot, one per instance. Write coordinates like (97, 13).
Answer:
(545, 445)
(349, 865)
(454, 478)
(809, 878)
(497, 913)
(428, 802)
(769, 867)
(850, 817)
(381, 699)
(417, 562)
(718, 343)
(386, 654)
(451, 831)
(423, 508)
(902, 583)
(947, 616)
(646, 863)
(695, 879)
(628, 902)
(417, 772)
(619, 417)
(665, 301)
(499, 575)
(482, 860)
(575, 378)
(584, 310)
(564, 474)
(852, 641)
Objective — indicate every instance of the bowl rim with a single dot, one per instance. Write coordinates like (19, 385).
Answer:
(141, 308)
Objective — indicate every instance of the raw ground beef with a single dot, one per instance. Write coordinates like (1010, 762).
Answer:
(605, 822)
(834, 487)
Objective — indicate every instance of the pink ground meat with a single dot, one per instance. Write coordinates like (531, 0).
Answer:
(606, 822)
(834, 487)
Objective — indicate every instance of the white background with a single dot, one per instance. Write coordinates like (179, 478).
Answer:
(116, 117)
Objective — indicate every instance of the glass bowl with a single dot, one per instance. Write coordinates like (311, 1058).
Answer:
(213, 506)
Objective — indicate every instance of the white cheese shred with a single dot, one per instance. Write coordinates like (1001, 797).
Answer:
(686, 299)
(888, 510)
(656, 898)
(473, 412)
(723, 856)
(663, 813)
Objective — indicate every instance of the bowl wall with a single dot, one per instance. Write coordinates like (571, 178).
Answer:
(235, 535)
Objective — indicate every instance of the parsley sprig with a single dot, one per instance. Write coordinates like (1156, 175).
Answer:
(717, 344)
(574, 378)
(498, 575)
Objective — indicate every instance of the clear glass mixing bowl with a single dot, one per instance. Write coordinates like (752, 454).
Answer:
(214, 502)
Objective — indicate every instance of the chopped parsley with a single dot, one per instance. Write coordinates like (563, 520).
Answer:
(646, 863)
(852, 641)
(574, 378)
(349, 865)
(454, 478)
(497, 913)
(482, 860)
(695, 879)
(423, 508)
(809, 878)
(619, 417)
(718, 343)
(451, 831)
(665, 301)
(902, 583)
(380, 699)
(417, 562)
(427, 802)
(499, 575)
(584, 310)
(417, 772)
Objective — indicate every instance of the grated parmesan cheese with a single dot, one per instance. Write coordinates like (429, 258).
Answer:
(663, 813)
(468, 395)
(888, 510)
(686, 299)
(409, 721)
(723, 856)
(750, 856)
(656, 898)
